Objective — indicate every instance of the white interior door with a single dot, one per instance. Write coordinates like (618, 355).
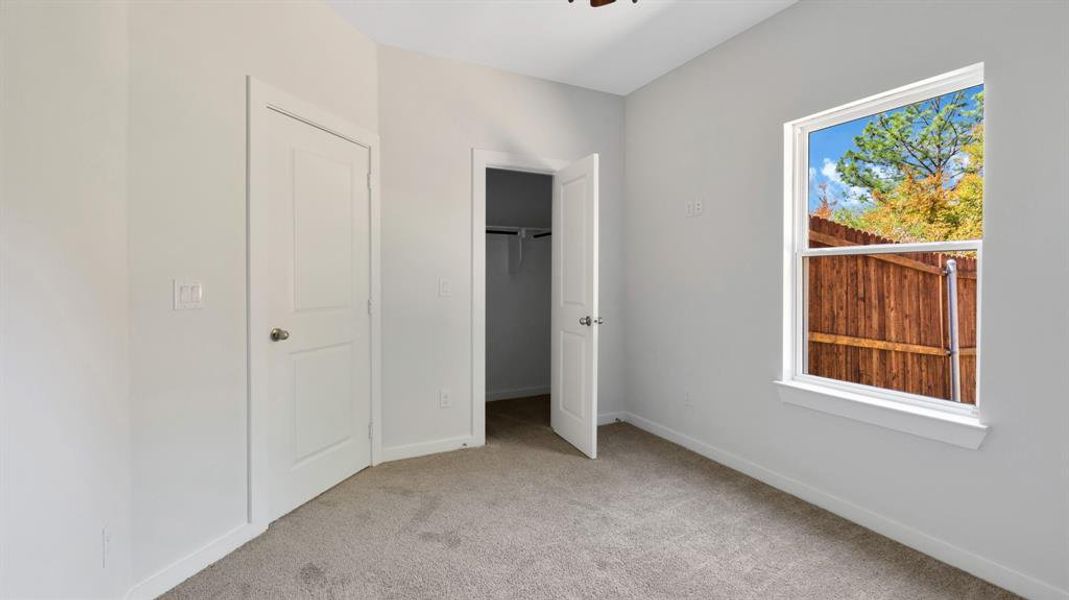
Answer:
(316, 217)
(574, 387)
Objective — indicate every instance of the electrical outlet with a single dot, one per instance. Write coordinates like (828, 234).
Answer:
(444, 399)
(687, 402)
(105, 547)
(699, 208)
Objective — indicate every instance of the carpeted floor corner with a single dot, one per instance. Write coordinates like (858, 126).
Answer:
(528, 517)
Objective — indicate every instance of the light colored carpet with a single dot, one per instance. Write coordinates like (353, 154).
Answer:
(528, 517)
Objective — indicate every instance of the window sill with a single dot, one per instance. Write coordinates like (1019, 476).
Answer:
(964, 431)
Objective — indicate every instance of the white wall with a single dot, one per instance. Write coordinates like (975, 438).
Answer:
(64, 370)
(518, 303)
(703, 304)
(170, 192)
(432, 113)
(187, 219)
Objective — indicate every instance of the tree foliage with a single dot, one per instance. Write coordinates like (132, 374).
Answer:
(921, 172)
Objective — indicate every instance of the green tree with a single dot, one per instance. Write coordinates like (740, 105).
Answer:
(924, 139)
(922, 170)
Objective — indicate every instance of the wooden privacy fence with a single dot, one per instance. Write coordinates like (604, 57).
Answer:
(881, 319)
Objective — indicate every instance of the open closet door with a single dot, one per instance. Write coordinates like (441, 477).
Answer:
(574, 366)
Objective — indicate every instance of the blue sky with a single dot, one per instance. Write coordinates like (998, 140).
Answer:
(827, 145)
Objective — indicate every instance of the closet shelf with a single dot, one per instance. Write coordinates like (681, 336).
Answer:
(533, 232)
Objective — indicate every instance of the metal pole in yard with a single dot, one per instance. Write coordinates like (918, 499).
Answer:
(952, 316)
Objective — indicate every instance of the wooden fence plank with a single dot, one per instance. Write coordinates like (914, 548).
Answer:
(875, 343)
(859, 342)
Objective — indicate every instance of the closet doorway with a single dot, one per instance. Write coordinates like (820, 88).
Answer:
(519, 220)
(535, 293)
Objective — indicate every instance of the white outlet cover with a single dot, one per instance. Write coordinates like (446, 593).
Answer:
(444, 399)
(445, 287)
(188, 295)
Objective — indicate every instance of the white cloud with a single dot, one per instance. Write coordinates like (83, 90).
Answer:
(963, 160)
(881, 171)
(847, 195)
(831, 171)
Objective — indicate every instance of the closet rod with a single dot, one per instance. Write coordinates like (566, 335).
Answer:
(507, 232)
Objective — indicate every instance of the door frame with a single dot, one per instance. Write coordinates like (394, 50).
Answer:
(262, 97)
(481, 160)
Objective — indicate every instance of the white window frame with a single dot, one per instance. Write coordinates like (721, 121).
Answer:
(838, 396)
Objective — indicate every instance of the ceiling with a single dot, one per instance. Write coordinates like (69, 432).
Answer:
(616, 48)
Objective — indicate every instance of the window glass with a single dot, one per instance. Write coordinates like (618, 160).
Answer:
(912, 174)
(901, 321)
(884, 320)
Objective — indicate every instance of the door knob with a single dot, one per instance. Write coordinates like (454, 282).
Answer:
(278, 335)
(584, 321)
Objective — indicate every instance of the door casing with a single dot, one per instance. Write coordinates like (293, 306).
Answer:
(261, 98)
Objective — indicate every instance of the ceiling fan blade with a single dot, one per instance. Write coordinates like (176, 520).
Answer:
(597, 3)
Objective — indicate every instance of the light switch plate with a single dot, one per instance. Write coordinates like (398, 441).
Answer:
(445, 287)
(188, 295)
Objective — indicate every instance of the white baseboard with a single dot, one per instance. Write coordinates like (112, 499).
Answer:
(450, 444)
(986, 569)
(611, 417)
(525, 392)
(184, 568)
(424, 448)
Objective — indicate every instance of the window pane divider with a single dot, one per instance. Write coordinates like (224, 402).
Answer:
(952, 246)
